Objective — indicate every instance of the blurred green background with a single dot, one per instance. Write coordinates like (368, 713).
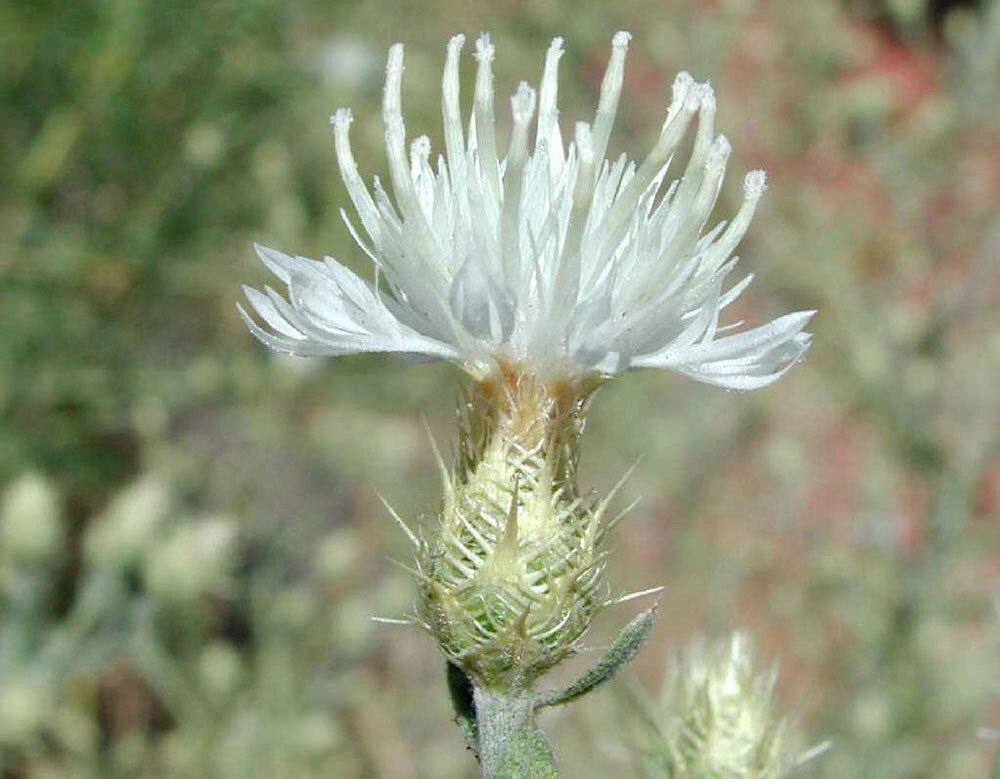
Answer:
(191, 543)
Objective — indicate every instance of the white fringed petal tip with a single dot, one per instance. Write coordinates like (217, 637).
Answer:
(550, 258)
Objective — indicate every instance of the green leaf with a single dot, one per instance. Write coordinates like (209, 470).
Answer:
(622, 650)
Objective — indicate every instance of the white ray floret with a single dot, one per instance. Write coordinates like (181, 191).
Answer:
(553, 259)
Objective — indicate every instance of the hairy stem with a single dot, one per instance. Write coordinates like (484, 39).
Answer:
(510, 744)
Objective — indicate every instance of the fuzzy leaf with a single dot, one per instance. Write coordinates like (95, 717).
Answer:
(626, 646)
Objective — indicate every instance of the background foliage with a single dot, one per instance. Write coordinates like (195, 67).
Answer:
(190, 541)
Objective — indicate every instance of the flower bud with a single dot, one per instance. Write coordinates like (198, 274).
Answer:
(122, 533)
(338, 554)
(512, 577)
(25, 705)
(717, 717)
(30, 520)
(194, 560)
(219, 669)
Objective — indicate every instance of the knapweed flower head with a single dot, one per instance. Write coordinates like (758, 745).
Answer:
(717, 717)
(549, 257)
(514, 575)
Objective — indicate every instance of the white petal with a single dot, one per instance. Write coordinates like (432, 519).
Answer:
(481, 304)
(556, 258)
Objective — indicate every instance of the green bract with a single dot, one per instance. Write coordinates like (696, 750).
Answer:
(512, 574)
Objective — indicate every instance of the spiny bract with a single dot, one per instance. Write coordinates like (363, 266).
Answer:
(513, 575)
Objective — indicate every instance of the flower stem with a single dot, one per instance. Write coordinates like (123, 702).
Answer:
(510, 744)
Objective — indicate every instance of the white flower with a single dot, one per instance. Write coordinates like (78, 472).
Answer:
(552, 259)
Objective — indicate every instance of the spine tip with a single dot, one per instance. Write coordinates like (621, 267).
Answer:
(706, 96)
(395, 62)
(754, 184)
(420, 147)
(484, 48)
(342, 117)
(621, 39)
(682, 82)
(522, 103)
(718, 155)
(683, 93)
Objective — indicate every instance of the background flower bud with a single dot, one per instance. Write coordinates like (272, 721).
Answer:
(716, 717)
(25, 705)
(338, 553)
(122, 533)
(219, 669)
(194, 560)
(30, 520)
